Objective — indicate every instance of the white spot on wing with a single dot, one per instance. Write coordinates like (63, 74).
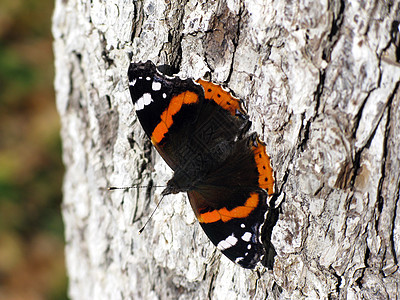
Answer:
(147, 99)
(242, 225)
(246, 237)
(143, 101)
(132, 83)
(164, 95)
(230, 241)
(237, 260)
(156, 86)
(139, 105)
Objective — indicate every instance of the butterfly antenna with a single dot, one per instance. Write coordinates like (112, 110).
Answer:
(158, 204)
(112, 188)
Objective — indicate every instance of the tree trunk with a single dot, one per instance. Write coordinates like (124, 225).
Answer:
(321, 83)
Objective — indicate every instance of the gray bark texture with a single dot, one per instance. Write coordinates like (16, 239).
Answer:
(321, 83)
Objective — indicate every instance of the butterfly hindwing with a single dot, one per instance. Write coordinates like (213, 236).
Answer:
(231, 213)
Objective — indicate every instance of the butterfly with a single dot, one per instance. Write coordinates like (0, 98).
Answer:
(202, 132)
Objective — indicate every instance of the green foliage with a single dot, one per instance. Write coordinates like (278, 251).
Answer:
(31, 230)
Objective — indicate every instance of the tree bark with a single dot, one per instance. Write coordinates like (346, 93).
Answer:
(321, 83)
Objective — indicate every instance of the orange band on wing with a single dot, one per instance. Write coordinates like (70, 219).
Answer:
(225, 215)
(220, 96)
(265, 172)
(166, 117)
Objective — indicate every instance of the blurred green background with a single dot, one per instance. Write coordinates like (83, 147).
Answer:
(31, 230)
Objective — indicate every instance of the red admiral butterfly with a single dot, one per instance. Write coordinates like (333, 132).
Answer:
(201, 131)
